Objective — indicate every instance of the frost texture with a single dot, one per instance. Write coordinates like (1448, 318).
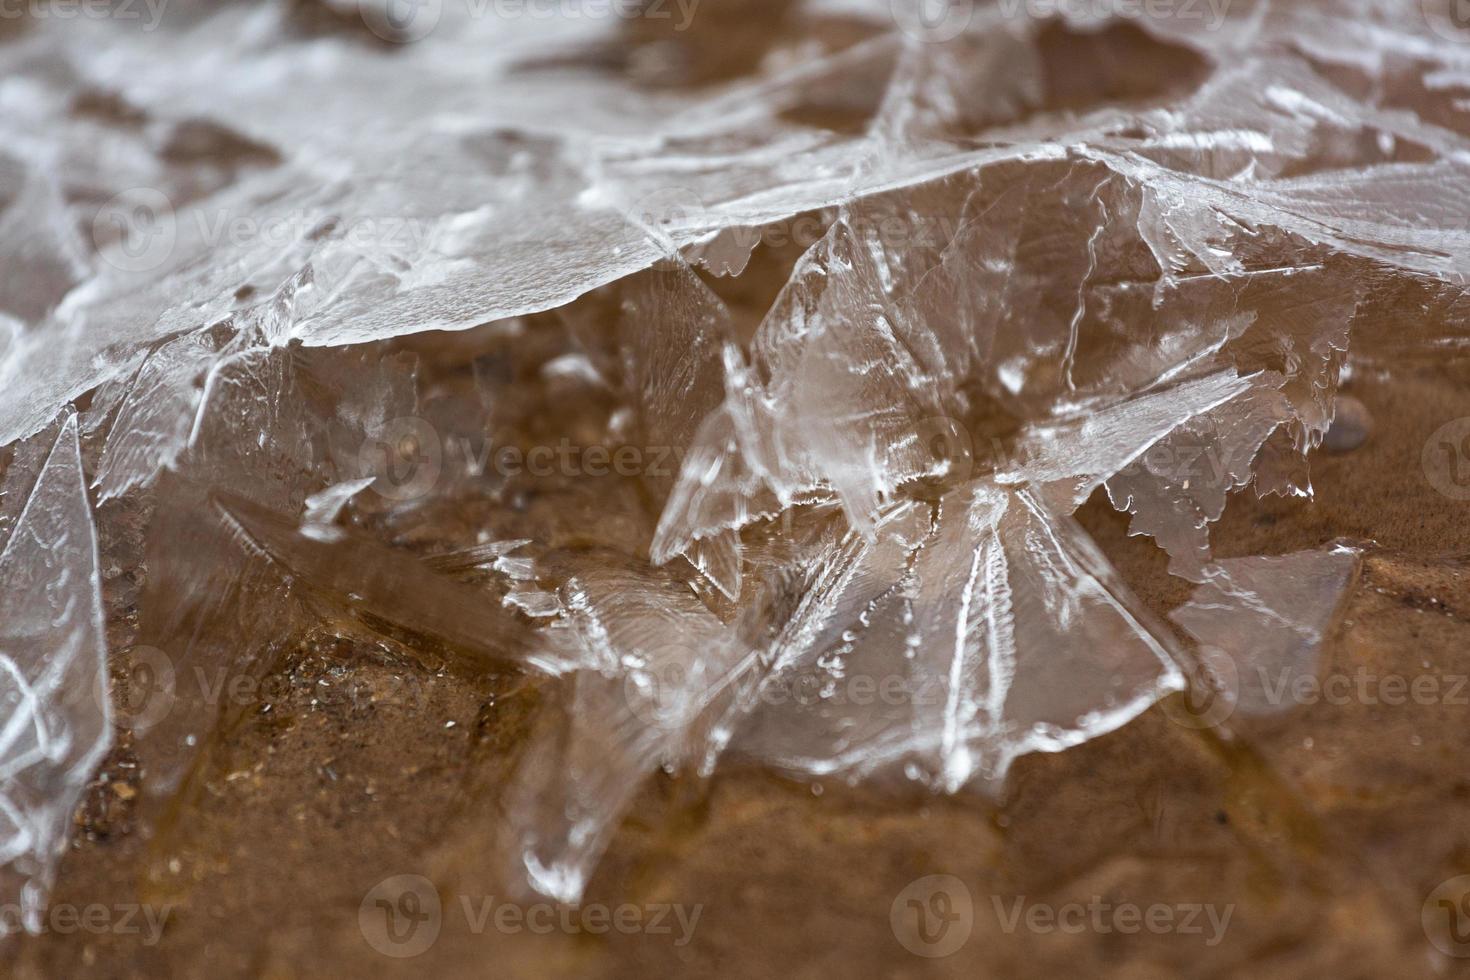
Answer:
(876, 311)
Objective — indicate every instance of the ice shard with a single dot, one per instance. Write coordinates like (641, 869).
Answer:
(989, 629)
(628, 710)
(1269, 615)
(379, 583)
(57, 717)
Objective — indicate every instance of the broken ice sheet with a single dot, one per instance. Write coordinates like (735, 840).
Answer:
(507, 204)
(24, 460)
(470, 201)
(57, 720)
(1124, 253)
(1267, 616)
(938, 307)
(1069, 458)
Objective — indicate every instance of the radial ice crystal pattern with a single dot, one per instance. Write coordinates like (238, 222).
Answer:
(698, 380)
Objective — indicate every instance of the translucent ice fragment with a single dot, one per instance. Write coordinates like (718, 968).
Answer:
(951, 91)
(1001, 631)
(717, 557)
(655, 656)
(26, 458)
(1397, 214)
(1069, 458)
(670, 334)
(154, 420)
(476, 556)
(1269, 616)
(55, 717)
(664, 357)
(843, 370)
(274, 425)
(323, 506)
(533, 602)
(376, 582)
(1008, 295)
(1180, 484)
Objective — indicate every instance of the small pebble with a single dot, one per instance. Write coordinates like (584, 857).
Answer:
(1351, 424)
